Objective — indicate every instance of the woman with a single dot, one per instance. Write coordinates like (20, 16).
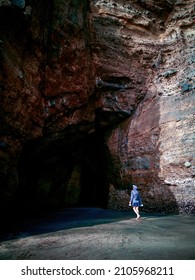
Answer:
(135, 201)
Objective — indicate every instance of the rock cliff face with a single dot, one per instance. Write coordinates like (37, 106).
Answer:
(95, 96)
(152, 44)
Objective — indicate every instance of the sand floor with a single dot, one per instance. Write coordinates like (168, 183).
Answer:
(98, 234)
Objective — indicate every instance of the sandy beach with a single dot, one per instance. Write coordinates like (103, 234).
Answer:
(92, 234)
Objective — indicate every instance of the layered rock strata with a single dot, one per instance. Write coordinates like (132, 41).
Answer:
(155, 146)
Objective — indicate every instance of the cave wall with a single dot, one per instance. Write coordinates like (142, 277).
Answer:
(105, 86)
(151, 43)
(46, 80)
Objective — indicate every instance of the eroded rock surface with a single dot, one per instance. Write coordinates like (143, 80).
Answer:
(97, 95)
(151, 43)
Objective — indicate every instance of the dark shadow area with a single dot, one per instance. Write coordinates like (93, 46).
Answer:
(69, 171)
(52, 221)
(93, 180)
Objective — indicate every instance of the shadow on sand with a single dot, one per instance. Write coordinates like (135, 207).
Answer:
(68, 218)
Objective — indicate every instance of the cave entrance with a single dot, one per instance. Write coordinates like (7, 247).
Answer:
(93, 177)
(69, 171)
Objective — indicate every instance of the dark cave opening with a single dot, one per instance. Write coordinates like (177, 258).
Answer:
(47, 176)
(93, 180)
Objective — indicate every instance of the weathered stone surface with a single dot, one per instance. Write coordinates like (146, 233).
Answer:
(154, 49)
(98, 95)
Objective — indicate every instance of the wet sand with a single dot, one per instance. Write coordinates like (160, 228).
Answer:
(98, 234)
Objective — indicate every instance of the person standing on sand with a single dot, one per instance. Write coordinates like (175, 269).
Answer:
(135, 201)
